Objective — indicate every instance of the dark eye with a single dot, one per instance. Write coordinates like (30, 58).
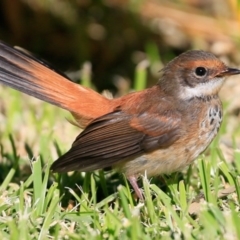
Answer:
(200, 71)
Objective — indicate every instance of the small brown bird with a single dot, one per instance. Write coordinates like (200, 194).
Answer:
(158, 130)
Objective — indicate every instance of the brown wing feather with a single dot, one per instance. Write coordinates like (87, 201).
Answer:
(116, 137)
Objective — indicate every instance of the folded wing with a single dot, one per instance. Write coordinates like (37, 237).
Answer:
(117, 137)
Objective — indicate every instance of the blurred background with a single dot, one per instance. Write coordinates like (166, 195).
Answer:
(109, 44)
(103, 44)
(111, 37)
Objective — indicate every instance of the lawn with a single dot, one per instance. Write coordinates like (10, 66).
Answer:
(202, 202)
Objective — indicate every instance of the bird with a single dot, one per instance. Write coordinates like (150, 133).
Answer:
(159, 130)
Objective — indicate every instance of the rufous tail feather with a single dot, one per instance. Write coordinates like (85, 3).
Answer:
(34, 77)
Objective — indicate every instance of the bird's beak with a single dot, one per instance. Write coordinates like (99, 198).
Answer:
(229, 72)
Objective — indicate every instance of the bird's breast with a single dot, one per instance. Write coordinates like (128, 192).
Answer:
(197, 136)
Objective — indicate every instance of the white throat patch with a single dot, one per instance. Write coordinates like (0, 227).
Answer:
(202, 89)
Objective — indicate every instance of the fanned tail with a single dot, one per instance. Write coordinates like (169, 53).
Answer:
(34, 77)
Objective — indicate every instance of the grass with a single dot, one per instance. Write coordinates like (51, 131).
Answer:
(200, 203)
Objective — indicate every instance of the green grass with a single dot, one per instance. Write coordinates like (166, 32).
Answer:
(36, 204)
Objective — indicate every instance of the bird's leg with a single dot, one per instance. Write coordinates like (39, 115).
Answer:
(133, 182)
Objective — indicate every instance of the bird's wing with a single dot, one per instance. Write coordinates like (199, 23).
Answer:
(116, 137)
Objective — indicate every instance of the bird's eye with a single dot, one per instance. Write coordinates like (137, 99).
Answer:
(200, 71)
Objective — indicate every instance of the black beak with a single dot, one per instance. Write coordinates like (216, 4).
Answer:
(229, 72)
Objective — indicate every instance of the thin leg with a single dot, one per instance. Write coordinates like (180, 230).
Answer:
(133, 182)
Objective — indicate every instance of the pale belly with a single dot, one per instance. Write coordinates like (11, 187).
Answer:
(181, 153)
